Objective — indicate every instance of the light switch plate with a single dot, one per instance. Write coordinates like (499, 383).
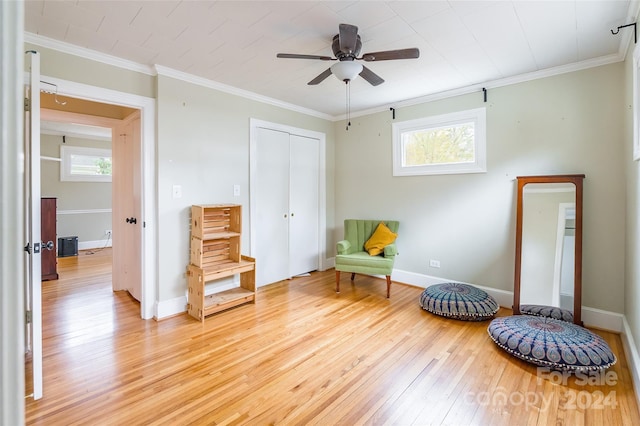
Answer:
(177, 191)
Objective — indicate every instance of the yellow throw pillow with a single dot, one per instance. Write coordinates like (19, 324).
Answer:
(381, 237)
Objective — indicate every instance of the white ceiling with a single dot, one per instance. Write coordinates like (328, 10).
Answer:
(463, 44)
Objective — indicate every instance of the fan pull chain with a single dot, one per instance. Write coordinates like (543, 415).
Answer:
(348, 97)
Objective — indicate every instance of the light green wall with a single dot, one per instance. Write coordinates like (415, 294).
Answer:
(203, 146)
(571, 123)
(75, 195)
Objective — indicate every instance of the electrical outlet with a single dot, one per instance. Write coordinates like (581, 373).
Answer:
(434, 263)
(107, 232)
(236, 190)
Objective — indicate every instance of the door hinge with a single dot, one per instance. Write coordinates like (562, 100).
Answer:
(27, 104)
(28, 317)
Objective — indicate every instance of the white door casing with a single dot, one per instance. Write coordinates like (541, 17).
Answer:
(12, 277)
(33, 272)
(147, 220)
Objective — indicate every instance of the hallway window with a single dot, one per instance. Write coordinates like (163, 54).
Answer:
(85, 164)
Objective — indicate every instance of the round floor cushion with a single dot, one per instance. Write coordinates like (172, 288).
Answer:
(458, 301)
(547, 311)
(551, 343)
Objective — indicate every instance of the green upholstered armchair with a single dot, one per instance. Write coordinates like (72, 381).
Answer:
(352, 257)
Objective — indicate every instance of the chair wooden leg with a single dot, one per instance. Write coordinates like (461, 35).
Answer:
(388, 286)
(353, 275)
(337, 281)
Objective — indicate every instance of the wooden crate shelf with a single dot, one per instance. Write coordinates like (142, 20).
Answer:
(226, 269)
(215, 254)
(209, 253)
(215, 220)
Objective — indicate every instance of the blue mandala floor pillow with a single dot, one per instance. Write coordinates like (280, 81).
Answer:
(547, 311)
(459, 301)
(551, 343)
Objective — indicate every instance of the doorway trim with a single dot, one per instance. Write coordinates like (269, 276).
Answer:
(12, 277)
(254, 124)
(147, 107)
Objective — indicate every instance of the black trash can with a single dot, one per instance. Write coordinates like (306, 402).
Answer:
(67, 246)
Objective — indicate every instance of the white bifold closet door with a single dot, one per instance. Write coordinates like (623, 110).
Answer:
(286, 205)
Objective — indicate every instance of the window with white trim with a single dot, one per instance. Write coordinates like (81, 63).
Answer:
(442, 144)
(85, 164)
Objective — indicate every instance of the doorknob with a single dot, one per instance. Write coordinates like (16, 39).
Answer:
(48, 245)
(131, 220)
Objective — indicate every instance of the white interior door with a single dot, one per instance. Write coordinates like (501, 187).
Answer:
(303, 199)
(127, 207)
(271, 206)
(285, 218)
(33, 266)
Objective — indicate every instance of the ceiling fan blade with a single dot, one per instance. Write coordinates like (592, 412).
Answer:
(320, 78)
(297, 56)
(388, 55)
(348, 38)
(371, 77)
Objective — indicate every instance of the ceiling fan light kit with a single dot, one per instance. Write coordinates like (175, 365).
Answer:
(346, 46)
(346, 70)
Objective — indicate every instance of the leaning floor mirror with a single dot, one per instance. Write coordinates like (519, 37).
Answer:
(548, 268)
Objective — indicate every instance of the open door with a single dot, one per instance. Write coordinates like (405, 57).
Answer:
(33, 242)
(127, 206)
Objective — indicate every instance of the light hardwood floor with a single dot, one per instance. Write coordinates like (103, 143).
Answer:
(301, 355)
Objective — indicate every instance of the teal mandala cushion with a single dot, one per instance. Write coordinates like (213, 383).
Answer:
(459, 301)
(551, 343)
(547, 311)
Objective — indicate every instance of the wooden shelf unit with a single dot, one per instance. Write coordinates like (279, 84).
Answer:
(215, 254)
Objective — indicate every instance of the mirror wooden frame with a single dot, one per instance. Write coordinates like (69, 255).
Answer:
(577, 180)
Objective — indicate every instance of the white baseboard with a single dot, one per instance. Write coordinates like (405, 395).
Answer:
(97, 244)
(631, 353)
(602, 319)
(167, 308)
(605, 320)
(328, 264)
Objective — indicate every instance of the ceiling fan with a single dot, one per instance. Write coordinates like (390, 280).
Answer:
(346, 47)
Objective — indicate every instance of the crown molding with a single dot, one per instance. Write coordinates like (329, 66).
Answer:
(493, 84)
(204, 82)
(104, 58)
(83, 52)
(210, 84)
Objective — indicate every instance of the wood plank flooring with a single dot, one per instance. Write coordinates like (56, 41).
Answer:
(301, 355)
